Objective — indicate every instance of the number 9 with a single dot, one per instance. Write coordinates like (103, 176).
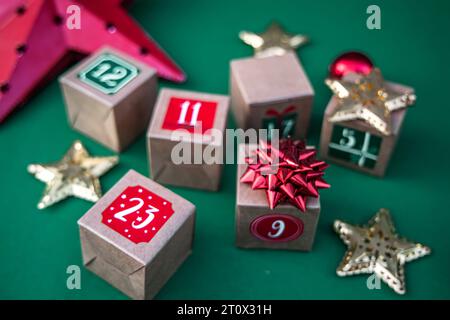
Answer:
(278, 226)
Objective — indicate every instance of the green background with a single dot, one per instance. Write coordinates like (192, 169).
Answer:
(412, 48)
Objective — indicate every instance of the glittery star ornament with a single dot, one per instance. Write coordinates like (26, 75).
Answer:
(75, 175)
(37, 41)
(273, 42)
(367, 98)
(377, 248)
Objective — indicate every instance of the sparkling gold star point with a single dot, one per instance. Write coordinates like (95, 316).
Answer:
(367, 98)
(275, 41)
(377, 248)
(75, 175)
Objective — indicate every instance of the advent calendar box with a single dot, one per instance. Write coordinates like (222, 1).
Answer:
(137, 235)
(271, 93)
(284, 226)
(109, 97)
(356, 144)
(185, 138)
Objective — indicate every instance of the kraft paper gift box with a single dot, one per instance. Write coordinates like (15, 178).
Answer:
(137, 235)
(109, 97)
(357, 145)
(186, 119)
(257, 226)
(271, 93)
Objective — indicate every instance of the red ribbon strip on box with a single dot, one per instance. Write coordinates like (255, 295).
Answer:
(279, 114)
(296, 175)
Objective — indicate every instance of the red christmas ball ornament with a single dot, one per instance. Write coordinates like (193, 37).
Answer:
(350, 62)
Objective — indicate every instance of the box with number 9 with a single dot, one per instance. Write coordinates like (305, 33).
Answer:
(283, 227)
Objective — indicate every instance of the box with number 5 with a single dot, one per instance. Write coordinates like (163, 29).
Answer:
(362, 121)
(185, 138)
(109, 97)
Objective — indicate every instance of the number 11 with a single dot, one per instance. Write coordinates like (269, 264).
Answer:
(184, 109)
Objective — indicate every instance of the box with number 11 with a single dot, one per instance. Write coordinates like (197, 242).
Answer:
(185, 126)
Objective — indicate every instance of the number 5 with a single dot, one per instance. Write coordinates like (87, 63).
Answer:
(348, 139)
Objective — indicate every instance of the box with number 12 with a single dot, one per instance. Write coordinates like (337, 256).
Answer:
(109, 97)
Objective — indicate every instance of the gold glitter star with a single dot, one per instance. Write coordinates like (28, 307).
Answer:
(367, 98)
(75, 175)
(273, 42)
(376, 248)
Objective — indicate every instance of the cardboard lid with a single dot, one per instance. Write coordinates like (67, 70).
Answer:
(71, 77)
(156, 130)
(271, 79)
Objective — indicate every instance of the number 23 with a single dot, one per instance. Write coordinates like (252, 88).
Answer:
(151, 213)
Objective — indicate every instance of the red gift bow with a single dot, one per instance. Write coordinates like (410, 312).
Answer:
(298, 173)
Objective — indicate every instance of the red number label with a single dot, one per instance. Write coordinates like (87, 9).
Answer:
(188, 114)
(137, 214)
(277, 227)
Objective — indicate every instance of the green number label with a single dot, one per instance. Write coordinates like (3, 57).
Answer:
(286, 125)
(358, 147)
(108, 73)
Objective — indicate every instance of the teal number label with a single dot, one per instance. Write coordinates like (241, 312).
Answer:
(358, 147)
(285, 124)
(108, 73)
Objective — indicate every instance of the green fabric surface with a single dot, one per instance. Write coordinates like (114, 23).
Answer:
(412, 48)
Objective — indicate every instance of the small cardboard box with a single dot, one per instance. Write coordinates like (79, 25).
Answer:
(190, 121)
(284, 227)
(109, 97)
(357, 145)
(271, 93)
(137, 235)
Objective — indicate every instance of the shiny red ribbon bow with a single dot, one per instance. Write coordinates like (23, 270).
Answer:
(295, 176)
